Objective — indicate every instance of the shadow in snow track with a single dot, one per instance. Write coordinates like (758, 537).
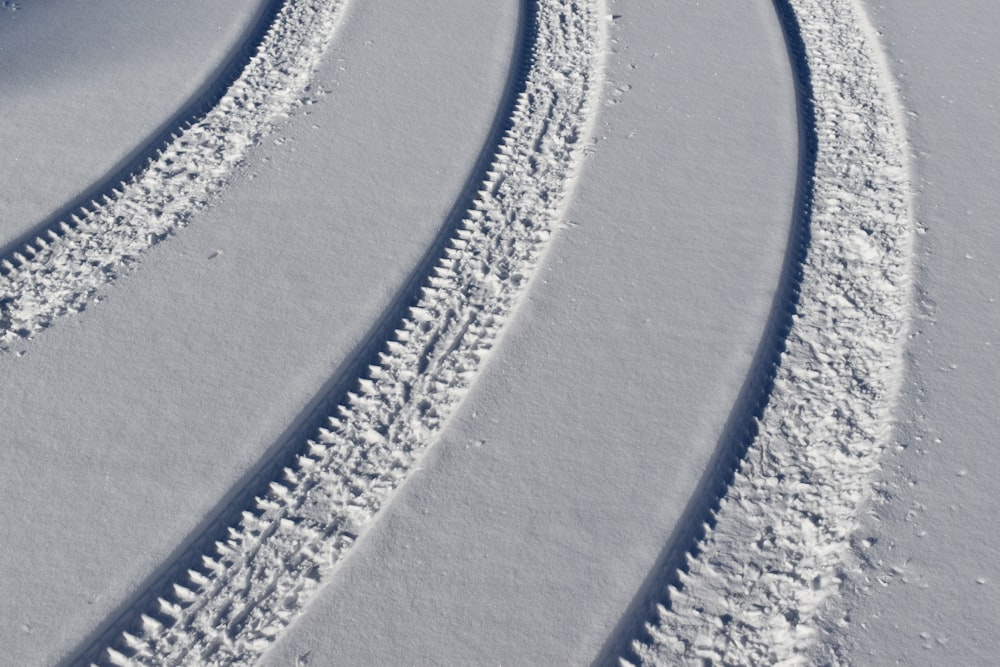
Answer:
(334, 392)
(741, 427)
(199, 104)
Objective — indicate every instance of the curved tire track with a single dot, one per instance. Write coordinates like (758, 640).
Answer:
(147, 150)
(229, 606)
(772, 552)
(58, 268)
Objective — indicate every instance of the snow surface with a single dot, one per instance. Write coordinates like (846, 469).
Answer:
(607, 411)
(776, 547)
(85, 84)
(229, 604)
(535, 521)
(178, 384)
(926, 588)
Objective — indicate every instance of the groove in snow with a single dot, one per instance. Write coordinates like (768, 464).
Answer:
(230, 607)
(60, 271)
(775, 550)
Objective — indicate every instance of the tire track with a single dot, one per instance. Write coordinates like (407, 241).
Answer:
(147, 150)
(772, 549)
(230, 602)
(58, 267)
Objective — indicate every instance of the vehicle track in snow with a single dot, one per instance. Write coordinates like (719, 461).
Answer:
(243, 581)
(771, 544)
(58, 267)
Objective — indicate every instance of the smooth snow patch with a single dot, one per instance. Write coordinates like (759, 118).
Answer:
(759, 578)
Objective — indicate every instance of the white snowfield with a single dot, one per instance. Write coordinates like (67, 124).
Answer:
(181, 490)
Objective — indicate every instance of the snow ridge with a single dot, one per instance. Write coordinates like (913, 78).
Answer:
(61, 270)
(776, 547)
(230, 608)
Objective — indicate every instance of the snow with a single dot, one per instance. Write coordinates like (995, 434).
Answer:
(559, 320)
(191, 369)
(536, 519)
(925, 590)
(97, 80)
(61, 268)
(246, 588)
(773, 555)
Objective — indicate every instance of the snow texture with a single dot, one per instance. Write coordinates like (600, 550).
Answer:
(230, 607)
(781, 521)
(774, 550)
(61, 270)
